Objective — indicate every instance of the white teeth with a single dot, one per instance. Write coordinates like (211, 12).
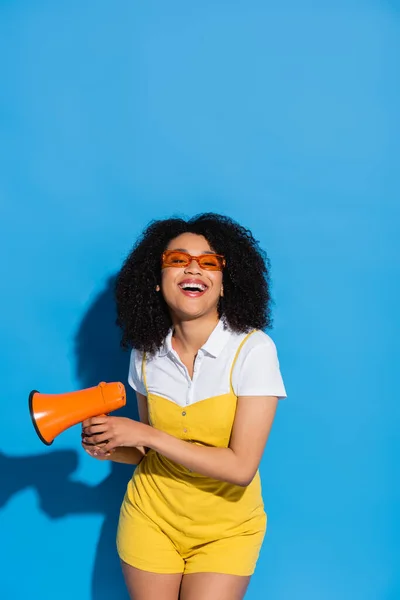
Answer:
(197, 286)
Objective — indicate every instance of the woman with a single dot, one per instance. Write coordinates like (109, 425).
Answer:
(192, 299)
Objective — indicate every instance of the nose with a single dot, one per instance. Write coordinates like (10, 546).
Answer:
(193, 267)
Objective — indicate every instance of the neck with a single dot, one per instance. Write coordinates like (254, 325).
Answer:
(190, 336)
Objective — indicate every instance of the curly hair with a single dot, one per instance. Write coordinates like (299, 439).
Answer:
(142, 313)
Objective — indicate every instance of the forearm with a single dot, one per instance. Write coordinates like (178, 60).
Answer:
(218, 463)
(127, 455)
(237, 464)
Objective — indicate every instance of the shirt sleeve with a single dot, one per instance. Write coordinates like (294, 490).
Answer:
(135, 378)
(257, 372)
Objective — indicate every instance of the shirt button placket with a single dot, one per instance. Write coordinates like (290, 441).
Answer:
(184, 424)
(188, 401)
(184, 414)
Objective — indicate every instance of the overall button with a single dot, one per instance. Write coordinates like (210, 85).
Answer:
(184, 414)
(185, 430)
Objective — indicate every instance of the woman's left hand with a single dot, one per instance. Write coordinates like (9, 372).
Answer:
(113, 432)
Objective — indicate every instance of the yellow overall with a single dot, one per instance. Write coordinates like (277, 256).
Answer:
(173, 520)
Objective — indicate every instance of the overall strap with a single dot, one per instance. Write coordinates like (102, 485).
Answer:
(144, 373)
(237, 356)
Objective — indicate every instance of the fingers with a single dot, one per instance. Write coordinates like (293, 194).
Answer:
(91, 450)
(101, 433)
(96, 439)
(94, 429)
(88, 438)
(96, 451)
(110, 447)
(102, 419)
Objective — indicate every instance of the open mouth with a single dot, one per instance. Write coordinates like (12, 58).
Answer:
(193, 288)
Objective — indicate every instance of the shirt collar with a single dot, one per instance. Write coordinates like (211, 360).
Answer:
(213, 346)
(217, 340)
(166, 346)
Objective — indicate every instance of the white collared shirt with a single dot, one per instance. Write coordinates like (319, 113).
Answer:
(256, 372)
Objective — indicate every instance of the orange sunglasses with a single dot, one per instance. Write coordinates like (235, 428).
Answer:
(179, 259)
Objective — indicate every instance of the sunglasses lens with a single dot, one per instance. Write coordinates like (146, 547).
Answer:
(211, 262)
(175, 259)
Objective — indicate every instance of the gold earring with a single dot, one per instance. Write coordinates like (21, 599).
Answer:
(157, 288)
(222, 291)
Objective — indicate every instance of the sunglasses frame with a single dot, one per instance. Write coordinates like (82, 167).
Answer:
(190, 258)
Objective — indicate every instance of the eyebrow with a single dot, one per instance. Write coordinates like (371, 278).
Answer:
(187, 251)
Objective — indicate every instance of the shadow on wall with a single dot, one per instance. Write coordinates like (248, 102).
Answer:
(99, 358)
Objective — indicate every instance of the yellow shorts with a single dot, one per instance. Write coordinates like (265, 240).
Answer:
(141, 543)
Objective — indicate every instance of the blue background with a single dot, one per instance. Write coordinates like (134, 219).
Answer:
(283, 115)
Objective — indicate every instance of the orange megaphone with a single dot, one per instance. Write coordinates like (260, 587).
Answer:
(53, 413)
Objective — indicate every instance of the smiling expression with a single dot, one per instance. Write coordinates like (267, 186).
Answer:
(191, 292)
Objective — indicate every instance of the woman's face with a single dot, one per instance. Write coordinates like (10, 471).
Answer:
(184, 301)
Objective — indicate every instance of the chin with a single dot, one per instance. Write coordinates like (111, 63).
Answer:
(184, 315)
(189, 313)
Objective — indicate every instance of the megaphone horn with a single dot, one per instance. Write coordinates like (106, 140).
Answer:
(53, 413)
